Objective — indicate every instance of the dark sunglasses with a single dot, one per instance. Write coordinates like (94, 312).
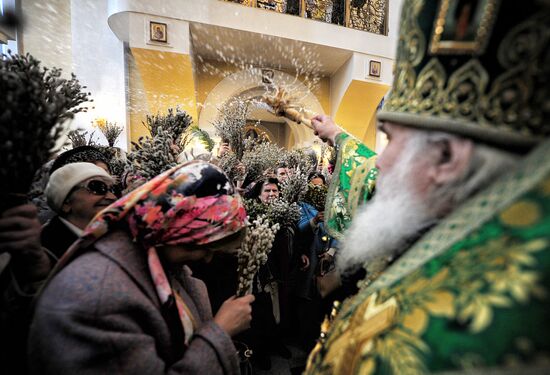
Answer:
(96, 187)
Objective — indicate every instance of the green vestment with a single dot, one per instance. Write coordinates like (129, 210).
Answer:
(471, 294)
(352, 183)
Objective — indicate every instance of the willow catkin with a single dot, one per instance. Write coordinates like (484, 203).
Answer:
(254, 251)
(231, 125)
(152, 156)
(294, 187)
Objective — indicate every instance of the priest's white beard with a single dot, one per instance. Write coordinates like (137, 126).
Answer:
(395, 216)
(385, 226)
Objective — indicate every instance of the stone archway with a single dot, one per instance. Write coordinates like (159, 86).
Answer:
(248, 83)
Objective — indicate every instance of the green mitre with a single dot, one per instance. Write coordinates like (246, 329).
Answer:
(477, 68)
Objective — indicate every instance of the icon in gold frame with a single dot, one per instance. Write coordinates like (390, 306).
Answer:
(158, 32)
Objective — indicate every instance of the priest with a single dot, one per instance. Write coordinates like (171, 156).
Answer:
(456, 240)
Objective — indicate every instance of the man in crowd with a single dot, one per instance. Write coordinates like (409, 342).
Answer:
(268, 190)
(456, 241)
(281, 172)
(33, 249)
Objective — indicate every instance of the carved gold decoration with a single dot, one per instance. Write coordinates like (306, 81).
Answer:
(254, 130)
(320, 10)
(370, 17)
(275, 5)
(469, 99)
(248, 3)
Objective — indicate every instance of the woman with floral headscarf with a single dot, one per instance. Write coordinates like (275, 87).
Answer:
(120, 300)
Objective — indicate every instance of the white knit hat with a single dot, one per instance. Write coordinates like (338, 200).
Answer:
(63, 180)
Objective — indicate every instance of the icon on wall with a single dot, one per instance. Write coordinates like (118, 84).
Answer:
(374, 68)
(267, 76)
(463, 26)
(157, 32)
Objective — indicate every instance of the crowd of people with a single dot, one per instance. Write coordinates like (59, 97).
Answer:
(440, 246)
(101, 268)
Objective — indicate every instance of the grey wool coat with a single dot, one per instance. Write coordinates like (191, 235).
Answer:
(101, 315)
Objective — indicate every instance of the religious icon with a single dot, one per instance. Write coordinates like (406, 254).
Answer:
(463, 26)
(157, 32)
(463, 15)
(267, 76)
(374, 68)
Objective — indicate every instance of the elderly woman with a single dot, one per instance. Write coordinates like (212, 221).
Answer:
(122, 300)
(76, 192)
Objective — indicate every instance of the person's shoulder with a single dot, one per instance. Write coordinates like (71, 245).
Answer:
(119, 247)
(79, 284)
(112, 272)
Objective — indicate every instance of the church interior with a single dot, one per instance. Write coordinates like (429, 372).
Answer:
(337, 56)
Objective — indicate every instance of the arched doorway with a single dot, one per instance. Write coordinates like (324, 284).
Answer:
(247, 85)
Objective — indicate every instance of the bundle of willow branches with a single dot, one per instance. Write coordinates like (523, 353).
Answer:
(316, 195)
(228, 163)
(276, 211)
(260, 157)
(154, 154)
(35, 103)
(294, 188)
(175, 123)
(254, 251)
(303, 159)
(117, 159)
(111, 131)
(80, 137)
(231, 125)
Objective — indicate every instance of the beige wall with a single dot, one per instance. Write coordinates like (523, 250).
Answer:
(74, 35)
(206, 80)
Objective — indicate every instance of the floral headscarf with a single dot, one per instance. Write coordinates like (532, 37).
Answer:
(191, 203)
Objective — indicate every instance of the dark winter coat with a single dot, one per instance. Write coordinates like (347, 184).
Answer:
(57, 237)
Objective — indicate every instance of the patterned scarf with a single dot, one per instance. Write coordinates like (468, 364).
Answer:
(193, 203)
